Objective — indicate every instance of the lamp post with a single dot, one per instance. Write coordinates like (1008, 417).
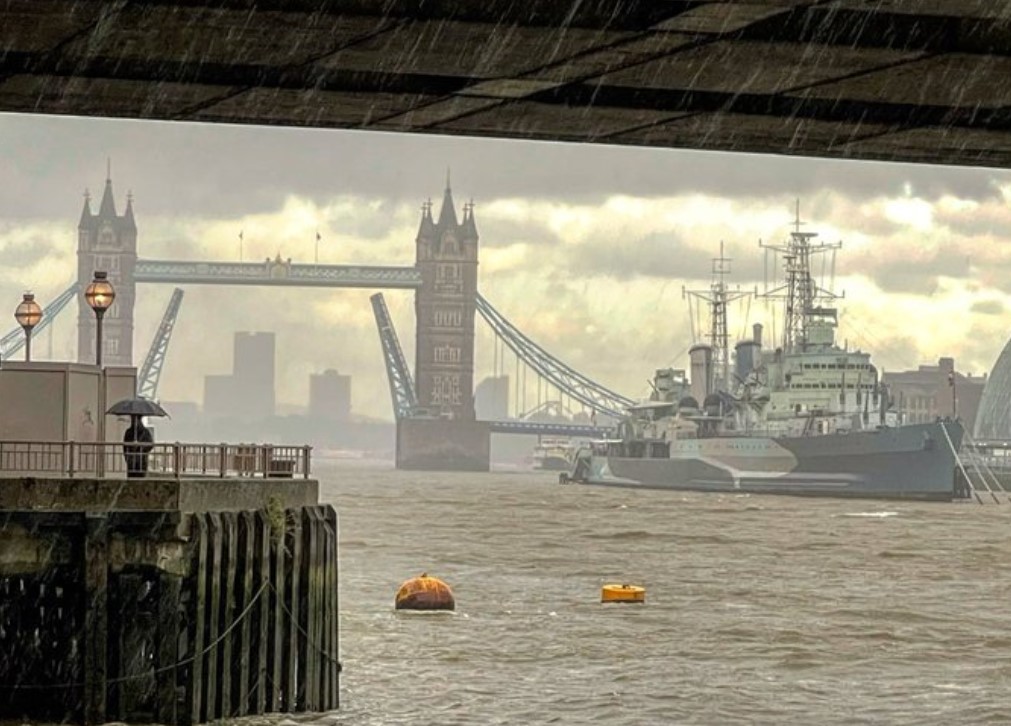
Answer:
(28, 314)
(99, 295)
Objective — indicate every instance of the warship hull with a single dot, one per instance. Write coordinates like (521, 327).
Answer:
(915, 461)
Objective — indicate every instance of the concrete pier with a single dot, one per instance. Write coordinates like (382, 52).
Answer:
(443, 445)
(175, 601)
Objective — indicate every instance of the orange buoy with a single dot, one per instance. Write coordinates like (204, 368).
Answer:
(425, 593)
(622, 593)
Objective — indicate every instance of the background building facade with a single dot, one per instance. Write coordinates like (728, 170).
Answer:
(928, 392)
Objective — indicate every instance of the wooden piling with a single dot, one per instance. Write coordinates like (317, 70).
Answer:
(95, 596)
(175, 618)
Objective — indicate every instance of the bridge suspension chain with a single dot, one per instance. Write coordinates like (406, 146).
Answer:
(571, 382)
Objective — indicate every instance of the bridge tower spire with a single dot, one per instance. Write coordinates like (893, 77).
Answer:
(447, 215)
(107, 241)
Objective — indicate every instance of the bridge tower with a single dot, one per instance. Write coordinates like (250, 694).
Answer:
(107, 241)
(445, 306)
(443, 433)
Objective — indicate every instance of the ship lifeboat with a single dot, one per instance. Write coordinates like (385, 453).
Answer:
(622, 593)
(425, 593)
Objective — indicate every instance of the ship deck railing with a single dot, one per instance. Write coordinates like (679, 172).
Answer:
(80, 459)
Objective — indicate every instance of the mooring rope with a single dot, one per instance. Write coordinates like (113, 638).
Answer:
(974, 461)
(968, 481)
(308, 639)
(986, 467)
(164, 669)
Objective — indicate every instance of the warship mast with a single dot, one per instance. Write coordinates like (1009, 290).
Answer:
(799, 291)
(718, 297)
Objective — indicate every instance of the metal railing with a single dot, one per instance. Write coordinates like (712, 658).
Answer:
(176, 460)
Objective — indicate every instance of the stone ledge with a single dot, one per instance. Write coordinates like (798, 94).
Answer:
(190, 494)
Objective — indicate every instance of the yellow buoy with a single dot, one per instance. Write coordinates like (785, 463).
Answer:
(425, 593)
(622, 593)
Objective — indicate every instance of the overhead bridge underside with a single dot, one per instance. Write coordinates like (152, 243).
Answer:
(899, 80)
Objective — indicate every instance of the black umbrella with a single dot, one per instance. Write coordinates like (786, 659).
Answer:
(136, 407)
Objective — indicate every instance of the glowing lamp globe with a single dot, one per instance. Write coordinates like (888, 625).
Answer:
(100, 294)
(28, 313)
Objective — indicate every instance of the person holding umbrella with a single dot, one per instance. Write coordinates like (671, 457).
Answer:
(137, 442)
(138, 439)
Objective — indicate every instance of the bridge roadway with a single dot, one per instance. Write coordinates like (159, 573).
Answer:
(277, 272)
(287, 273)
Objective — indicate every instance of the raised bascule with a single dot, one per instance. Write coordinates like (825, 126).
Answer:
(437, 426)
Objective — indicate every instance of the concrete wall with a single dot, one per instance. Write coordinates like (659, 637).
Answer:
(120, 383)
(32, 399)
(60, 401)
(82, 408)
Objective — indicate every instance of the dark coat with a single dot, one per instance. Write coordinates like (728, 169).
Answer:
(137, 441)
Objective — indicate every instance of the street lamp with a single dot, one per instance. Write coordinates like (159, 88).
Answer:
(28, 314)
(99, 295)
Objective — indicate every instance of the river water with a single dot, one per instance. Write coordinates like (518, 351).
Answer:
(759, 609)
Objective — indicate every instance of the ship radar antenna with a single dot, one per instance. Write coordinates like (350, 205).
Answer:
(804, 299)
(718, 298)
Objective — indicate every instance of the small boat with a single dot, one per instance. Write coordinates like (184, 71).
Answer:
(553, 454)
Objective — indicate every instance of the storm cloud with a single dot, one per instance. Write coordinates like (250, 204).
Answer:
(585, 248)
(215, 170)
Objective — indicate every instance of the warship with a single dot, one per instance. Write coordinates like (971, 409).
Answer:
(804, 416)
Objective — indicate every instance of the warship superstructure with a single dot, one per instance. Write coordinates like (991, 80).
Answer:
(803, 416)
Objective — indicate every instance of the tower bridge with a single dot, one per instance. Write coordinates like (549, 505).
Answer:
(437, 426)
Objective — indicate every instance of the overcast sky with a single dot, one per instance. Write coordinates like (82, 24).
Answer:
(585, 248)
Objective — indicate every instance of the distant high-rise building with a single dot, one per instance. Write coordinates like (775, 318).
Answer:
(330, 395)
(107, 242)
(491, 398)
(253, 370)
(248, 392)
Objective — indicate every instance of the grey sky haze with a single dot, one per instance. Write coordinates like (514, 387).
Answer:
(254, 166)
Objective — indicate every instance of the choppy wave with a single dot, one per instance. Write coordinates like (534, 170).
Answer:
(758, 610)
